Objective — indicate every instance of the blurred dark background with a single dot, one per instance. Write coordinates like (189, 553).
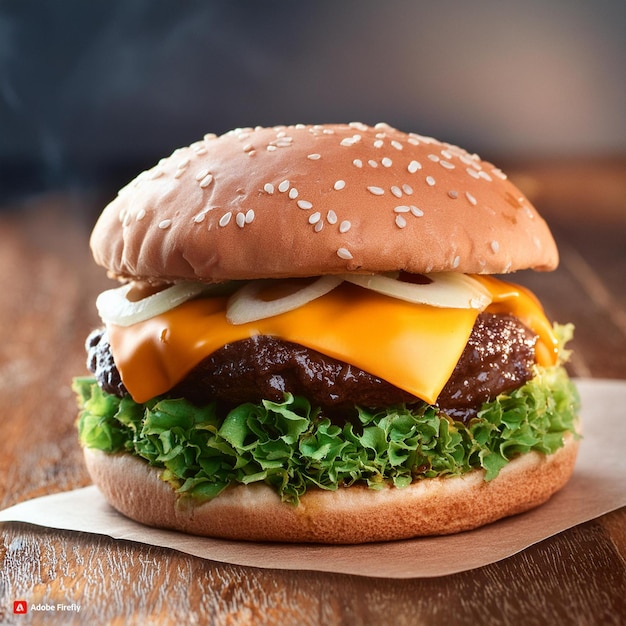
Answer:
(93, 91)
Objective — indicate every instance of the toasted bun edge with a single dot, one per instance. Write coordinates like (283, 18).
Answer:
(349, 515)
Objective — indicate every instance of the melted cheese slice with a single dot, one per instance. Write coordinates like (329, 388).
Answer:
(413, 346)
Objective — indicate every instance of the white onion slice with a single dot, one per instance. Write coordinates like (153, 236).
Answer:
(447, 289)
(114, 307)
(247, 305)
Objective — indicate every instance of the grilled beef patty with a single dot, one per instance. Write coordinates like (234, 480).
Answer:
(498, 357)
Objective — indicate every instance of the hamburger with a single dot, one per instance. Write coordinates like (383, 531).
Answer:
(312, 341)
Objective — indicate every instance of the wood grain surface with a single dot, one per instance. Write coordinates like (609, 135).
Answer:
(48, 285)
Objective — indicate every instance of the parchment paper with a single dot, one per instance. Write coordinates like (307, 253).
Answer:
(598, 486)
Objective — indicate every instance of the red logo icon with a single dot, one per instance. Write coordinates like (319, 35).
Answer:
(20, 606)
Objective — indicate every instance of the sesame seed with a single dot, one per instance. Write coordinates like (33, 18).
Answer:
(344, 253)
(377, 191)
(318, 227)
(163, 224)
(456, 261)
(240, 219)
(202, 174)
(408, 190)
(339, 185)
(378, 143)
(447, 154)
(387, 162)
(372, 163)
(472, 172)
(204, 211)
(350, 141)
(358, 162)
(200, 217)
(183, 164)
(248, 147)
(314, 218)
(271, 148)
(484, 175)
(331, 216)
(305, 204)
(495, 246)
(402, 209)
(453, 194)
(249, 216)
(433, 157)
(293, 193)
(400, 221)
(397, 145)
(447, 165)
(140, 214)
(268, 188)
(430, 181)
(284, 186)
(396, 191)
(471, 198)
(415, 211)
(345, 226)
(225, 219)
(414, 166)
(179, 173)
(314, 157)
(157, 173)
(206, 181)
(499, 173)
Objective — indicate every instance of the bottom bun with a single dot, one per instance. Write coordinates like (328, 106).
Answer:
(356, 514)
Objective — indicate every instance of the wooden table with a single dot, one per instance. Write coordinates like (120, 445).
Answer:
(48, 284)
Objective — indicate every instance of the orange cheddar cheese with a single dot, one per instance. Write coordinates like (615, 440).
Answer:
(413, 346)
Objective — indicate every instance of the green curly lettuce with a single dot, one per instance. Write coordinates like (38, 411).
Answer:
(291, 447)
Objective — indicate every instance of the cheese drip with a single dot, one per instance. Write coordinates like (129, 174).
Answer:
(413, 346)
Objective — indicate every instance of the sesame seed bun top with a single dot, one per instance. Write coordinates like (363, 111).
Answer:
(310, 200)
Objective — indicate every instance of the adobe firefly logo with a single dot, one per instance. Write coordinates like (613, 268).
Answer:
(20, 607)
